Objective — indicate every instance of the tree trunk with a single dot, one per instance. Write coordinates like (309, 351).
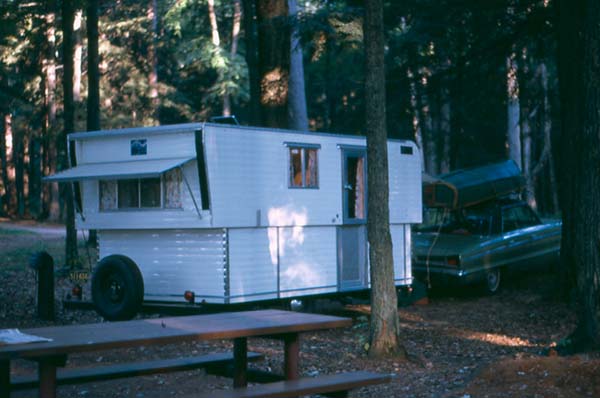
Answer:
(93, 100)
(384, 337)
(526, 156)
(297, 114)
(153, 58)
(8, 167)
(513, 132)
(587, 187)
(547, 126)
(18, 157)
(426, 122)
(250, 39)
(78, 43)
(416, 118)
(4, 157)
(579, 46)
(71, 256)
(445, 130)
(235, 37)
(51, 191)
(274, 60)
(34, 194)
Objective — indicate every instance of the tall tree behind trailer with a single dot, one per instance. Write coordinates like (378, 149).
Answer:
(152, 15)
(93, 71)
(513, 129)
(274, 60)
(579, 46)
(93, 74)
(250, 39)
(384, 337)
(297, 113)
(71, 256)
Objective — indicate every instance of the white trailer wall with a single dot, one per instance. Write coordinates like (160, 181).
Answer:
(173, 261)
(248, 176)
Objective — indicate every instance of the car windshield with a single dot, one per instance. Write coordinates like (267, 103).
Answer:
(474, 220)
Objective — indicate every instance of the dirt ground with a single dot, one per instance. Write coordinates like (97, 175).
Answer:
(460, 345)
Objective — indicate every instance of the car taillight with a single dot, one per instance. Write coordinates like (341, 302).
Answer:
(453, 261)
(77, 292)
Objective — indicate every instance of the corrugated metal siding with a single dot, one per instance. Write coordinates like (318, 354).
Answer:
(308, 260)
(186, 217)
(405, 184)
(252, 264)
(173, 261)
(401, 251)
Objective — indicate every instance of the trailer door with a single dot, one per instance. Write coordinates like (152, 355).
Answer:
(352, 235)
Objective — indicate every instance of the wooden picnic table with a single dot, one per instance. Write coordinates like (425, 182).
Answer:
(238, 326)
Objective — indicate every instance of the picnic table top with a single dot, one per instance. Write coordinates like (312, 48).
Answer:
(106, 335)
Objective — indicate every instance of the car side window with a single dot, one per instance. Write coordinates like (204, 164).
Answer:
(518, 217)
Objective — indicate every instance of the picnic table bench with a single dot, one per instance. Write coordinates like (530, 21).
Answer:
(236, 326)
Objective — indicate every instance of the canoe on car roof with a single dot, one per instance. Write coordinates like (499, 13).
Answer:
(468, 187)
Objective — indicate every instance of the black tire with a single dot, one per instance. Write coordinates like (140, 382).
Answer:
(117, 288)
(493, 278)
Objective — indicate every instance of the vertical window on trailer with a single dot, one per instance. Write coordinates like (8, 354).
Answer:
(303, 166)
(142, 193)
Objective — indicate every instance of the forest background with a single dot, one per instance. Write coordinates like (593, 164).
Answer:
(471, 82)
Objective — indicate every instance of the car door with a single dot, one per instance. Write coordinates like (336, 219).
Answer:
(519, 225)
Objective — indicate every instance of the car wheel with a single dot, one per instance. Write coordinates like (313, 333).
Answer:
(117, 288)
(492, 280)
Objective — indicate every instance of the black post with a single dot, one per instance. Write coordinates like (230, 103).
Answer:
(43, 263)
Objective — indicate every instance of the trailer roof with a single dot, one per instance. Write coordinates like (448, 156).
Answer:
(186, 127)
(118, 170)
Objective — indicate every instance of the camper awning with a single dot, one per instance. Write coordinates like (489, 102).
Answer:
(118, 170)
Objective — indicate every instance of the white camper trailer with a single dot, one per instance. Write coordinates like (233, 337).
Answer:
(215, 213)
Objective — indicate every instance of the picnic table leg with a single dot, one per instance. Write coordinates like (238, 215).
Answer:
(4, 379)
(291, 356)
(240, 362)
(47, 374)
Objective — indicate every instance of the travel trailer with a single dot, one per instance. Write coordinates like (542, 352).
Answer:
(223, 214)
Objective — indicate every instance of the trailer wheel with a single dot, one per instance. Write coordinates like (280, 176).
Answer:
(117, 288)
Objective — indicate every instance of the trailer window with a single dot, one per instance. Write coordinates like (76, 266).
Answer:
(303, 167)
(142, 193)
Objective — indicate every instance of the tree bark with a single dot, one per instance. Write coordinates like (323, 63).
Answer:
(93, 99)
(297, 113)
(416, 115)
(18, 157)
(384, 333)
(77, 55)
(93, 58)
(579, 46)
(5, 155)
(71, 256)
(445, 130)
(250, 39)
(51, 191)
(547, 123)
(153, 58)
(513, 132)
(235, 37)
(274, 61)
(587, 187)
